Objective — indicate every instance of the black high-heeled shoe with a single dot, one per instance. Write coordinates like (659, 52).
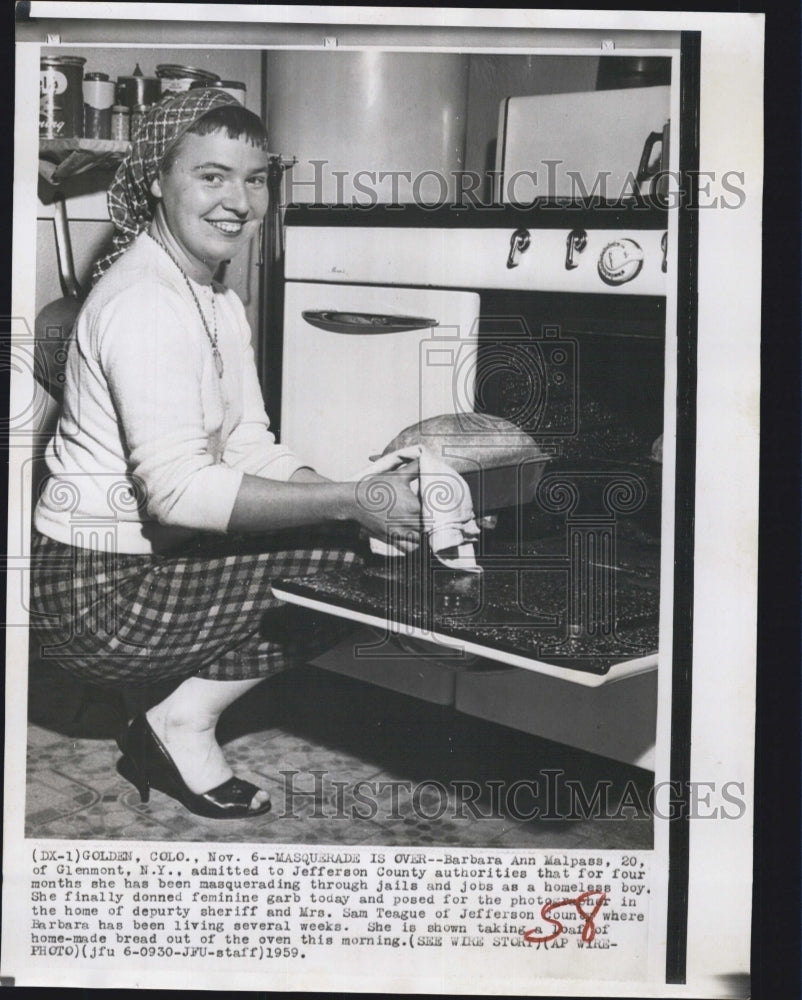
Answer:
(147, 764)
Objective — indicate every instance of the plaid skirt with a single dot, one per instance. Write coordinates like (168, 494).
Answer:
(206, 610)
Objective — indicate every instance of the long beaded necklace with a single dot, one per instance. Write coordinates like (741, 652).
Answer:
(218, 358)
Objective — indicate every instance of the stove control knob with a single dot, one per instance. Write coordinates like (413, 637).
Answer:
(620, 261)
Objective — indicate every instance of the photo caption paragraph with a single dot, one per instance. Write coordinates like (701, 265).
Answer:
(252, 905)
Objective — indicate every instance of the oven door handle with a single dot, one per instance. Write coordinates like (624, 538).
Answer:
(365, 323)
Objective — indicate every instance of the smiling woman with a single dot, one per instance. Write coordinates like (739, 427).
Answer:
(213, 195)
(163, 452)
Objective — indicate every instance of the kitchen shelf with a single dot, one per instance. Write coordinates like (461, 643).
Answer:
(60, 159)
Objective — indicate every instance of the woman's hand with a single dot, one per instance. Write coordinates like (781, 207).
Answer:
(386, 504)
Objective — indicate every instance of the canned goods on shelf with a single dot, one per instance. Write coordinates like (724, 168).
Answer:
(138, 89)
(120, 122)
(98, 92)
(61, 101)
(175, 78)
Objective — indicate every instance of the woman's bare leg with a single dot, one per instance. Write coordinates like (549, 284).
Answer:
(185, 722)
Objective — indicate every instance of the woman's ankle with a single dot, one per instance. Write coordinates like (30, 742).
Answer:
(172, 719)
(196, 705)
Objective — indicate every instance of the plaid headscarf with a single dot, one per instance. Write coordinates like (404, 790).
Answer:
(129, 199)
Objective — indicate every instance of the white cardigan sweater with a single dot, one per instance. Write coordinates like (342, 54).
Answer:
(150, 441)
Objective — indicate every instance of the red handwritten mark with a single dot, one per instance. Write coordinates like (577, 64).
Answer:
(588, 931)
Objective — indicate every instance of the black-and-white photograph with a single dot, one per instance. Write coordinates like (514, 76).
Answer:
(358, 501)
(454, 271)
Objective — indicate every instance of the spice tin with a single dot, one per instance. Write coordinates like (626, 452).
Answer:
(98, 101)
(138, 89)
(61, 101)
(120, 119)
(176, 79)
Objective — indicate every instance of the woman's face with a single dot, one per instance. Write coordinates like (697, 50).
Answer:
(214, 195)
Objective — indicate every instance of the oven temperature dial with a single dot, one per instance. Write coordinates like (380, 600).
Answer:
(620, 261)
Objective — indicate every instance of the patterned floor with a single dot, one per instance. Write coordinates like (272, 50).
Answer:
(345, 762)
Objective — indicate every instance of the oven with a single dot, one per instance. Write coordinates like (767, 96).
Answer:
(554, 318)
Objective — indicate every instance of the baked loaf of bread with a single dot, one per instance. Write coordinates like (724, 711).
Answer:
(467, 441)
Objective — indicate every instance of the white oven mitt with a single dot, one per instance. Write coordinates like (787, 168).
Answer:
(446, 507)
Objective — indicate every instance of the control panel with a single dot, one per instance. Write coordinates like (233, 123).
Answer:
(526, 258)
(619, 260)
